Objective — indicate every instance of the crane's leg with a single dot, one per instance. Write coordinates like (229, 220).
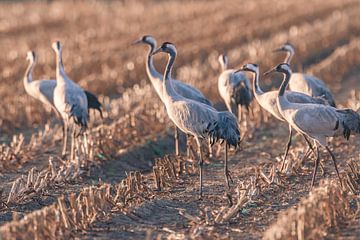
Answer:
(334, 160)
(201, 163)
(210, 148)
(176, 135)
(73, 138)
(316, 165)
(65, 136)
(226, 170)
(239, 110)
(188, 146)
(287, 148)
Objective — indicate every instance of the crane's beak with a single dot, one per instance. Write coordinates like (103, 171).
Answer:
(137, 42)
(156, 51)
(240, 70)
(270, 71)
(278, 49)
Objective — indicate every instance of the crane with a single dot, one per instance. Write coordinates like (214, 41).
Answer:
(314, 120)
(267, 100)
(70, 101)
(234, 88)
(156, 80)
(43, 90)
(306, 83)
(197, 119)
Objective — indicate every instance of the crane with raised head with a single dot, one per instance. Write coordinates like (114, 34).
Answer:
(305, 83)
(315, 121)
(197, 119)
(267, 100)
(234, 89)
(43, 90)
(182, 88)
(70, 100)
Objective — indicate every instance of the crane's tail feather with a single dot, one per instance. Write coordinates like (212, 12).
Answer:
(226, 129)
(350, 121)
(242, 95)
(79, 117)
(93, 102)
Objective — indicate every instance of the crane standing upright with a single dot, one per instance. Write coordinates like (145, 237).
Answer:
(234, 88)
(314, 120)
(183, 89)
(70, 101)
(43, 90)
(305, 83)
(197, 119)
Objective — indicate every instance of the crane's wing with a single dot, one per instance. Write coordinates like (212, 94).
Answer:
(317, 120)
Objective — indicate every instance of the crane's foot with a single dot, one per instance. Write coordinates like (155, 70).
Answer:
(200, 197)
(228, 177)
(229, 199)
(63, 156)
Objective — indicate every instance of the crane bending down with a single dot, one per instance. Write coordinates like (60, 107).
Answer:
(156, 80)
(314, 120)
(306, 83)
(43, 90)
(234, 88)
(195, 118)
(267, 100)
(70, 100)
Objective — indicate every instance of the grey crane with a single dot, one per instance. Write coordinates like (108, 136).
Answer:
(267, 100)
(314, 120)
(156, 80)
(43, 90)
(197, 119)
(234, 88)
(306, 83)
(70, 100)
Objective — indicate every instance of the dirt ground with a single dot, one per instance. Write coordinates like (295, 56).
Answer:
(98, 55)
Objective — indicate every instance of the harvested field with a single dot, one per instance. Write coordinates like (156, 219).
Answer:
(126, 182)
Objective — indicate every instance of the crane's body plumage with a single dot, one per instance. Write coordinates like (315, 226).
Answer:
(234, 88)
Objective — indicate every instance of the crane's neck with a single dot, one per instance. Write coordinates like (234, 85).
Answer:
(151, 71)
(60, 72)
(168, 90)
(289, 56)
(256, 87)
(284, 84)
(224, 65)
(28, 73)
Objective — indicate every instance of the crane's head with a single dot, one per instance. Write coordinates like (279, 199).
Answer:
(223, 60)
(166, 47)
(31, 56)
(282, 68)
(286, 47)
(146, 39)
(250, 67)
(56, 46)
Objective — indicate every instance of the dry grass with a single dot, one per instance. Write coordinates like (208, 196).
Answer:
(326, 206)
(98, 56)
